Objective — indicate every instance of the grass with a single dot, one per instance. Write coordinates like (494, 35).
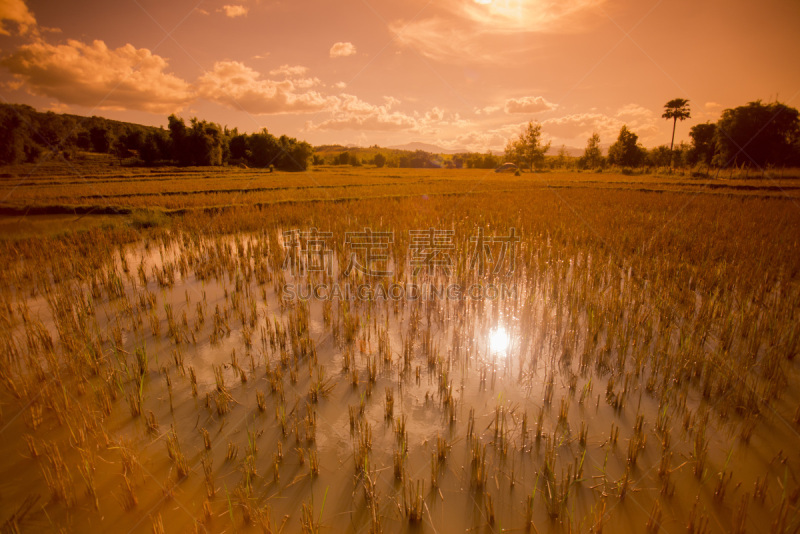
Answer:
(653, 357)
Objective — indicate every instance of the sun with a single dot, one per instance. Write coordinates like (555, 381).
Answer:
(501, 12)
(499, 340)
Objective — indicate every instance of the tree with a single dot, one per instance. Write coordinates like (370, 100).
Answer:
(263, 149)
(295, 154)
(53, 130)
(563, 157)
(155, 147)
(149, 152)
(120, 150)
(181, 151)
(660, 156)
(12, 149)
(380, 160)
(593, 154)
(676, 109)
(342, 159)
(100, 139)
(703, 146)
(206, 140)
(238, 147)
(626, 152)
(757, 134)
(528, 147)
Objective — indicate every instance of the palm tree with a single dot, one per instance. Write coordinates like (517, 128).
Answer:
(676, 109)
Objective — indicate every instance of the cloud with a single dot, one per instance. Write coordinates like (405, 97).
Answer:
(342, 49)
(94, 75)
(582, 125)
(352, 113)
(58, 107)
(473, 31)
(340, 85)
(237, 86)
(488, 110)
(514, 16)
(635, 111)
(443, 39)
(16, 11)
(577, 128)
(712, 105)
(528, 104)
(233, 11)
(289, 71)
(481, 139)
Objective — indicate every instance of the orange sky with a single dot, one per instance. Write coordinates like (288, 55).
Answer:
(457, 73)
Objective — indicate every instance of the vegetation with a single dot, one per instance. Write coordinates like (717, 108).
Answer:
(626, 151)
(593, 155)
(649, 377)
(676, 109)
(528, 149)
(758, 135)
(29, 136)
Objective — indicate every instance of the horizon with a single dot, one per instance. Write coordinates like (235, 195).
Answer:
(458, 75)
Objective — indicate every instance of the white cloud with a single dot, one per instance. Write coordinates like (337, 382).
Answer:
(93, 75)
(352, 113)
(58, 107)
(713, 105)
(237, 86)
(289, 71)
(488, 110)
(479, 141)
(339, 85)
(475, 139)
(16, 11)
(513, 16)
(578, 126)
(234, 11)
(575, 129)
(635, 111)
(342, 49)
(442, 39)
(471, 30)
(434, 115)
(528, 104)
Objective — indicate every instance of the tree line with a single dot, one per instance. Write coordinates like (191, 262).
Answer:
(27, 135)
(755, 135)
(403, 159)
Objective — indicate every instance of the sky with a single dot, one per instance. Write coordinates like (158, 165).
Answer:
(460, 74)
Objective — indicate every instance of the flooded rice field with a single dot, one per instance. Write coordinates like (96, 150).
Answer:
(280, 381)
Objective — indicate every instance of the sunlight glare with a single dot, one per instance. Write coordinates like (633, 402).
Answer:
(499, 340)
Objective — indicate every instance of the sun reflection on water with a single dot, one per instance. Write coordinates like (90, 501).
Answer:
(499, 340)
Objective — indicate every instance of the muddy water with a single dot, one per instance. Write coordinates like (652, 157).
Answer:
(447, 381)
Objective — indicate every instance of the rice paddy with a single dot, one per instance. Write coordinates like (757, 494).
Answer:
(226, 353)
